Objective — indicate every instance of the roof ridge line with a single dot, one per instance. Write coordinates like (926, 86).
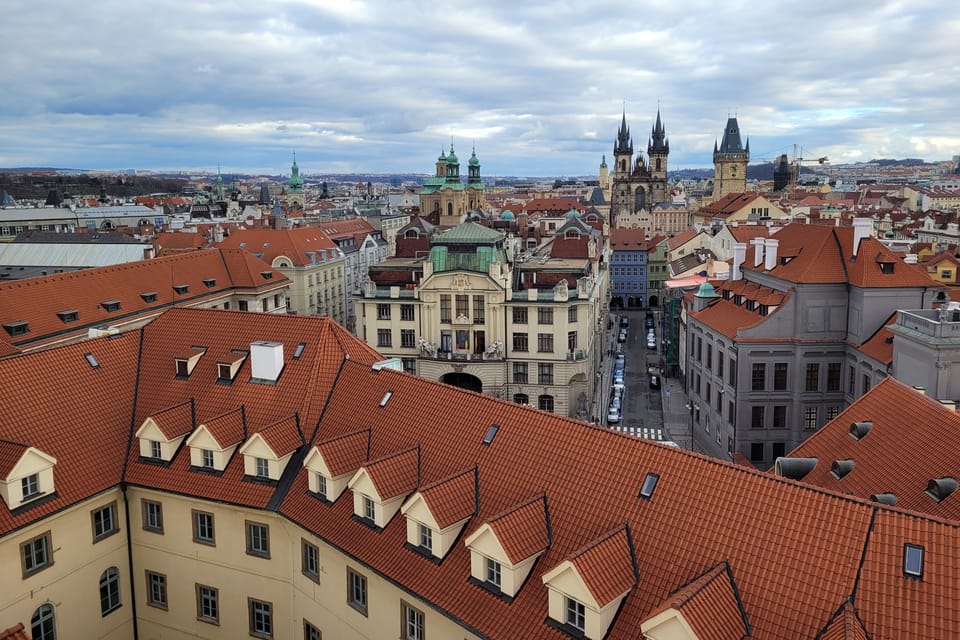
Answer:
(863, 556)
(471, 470)
(526, 502)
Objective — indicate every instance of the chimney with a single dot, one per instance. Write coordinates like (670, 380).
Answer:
(910, 258)
(770, 257)
(757, 251)
(861, 231)
(739, 255)
(266, 361)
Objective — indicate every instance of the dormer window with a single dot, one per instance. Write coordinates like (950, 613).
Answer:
(381, 486)
(332, 463)
(886, 267)
(262, 468)
(182, 368)
(69, 316)
(426, 537)
(223, 373)
(369, 509)
(160, 434)
(493, 572)
(210, 282)
(156, 450)
(17, 328)
(149, 296)
(206, 458)
(181, 289)
(110, 306)
(213, 442)
(30, 486)
(267, 452)
(29, 473)
(576, 615)
(320, 483)
(267, 275)
(184, 365)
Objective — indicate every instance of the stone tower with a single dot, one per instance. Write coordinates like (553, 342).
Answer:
(637, 185)
(730, 161)
(295, 197)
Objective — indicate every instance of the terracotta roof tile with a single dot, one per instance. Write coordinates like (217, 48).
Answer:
(523, 530)
(845, 626)
(300, 245)
(880, 345)
(395, 475)
(606, 565)
(175, 421)
(283, 436)
(10, 454)
(347, 453)
(228, 428)
(710, 605)
(452, 499)
(16, 632)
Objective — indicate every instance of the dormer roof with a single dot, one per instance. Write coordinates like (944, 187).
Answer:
(606, 566)
(283, 437)
(10, 454)
(394, 475)
(524, 530)
(710, 605)
(173, 422)
(452, 499)
(227, 429)
(346, 453)
(845, 625)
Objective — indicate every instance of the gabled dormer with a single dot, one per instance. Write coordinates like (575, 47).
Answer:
(437, 513)
(215, 440)
(681, 617)
(26, 474)
(229, 366)
(184, 363)
(161, 434)
(379, 487)
(504, 549)
(584, 591)
(332, 463)
(267, 452)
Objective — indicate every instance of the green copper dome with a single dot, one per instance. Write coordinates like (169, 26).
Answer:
(507, 215)
(452, 157)
(443, 156)
(706, 290)
(573, 213)
(474, 162)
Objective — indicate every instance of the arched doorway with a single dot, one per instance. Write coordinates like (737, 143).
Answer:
(464, 381)
(653, 301)
(616, 302)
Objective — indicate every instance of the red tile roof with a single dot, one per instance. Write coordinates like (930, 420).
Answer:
(299, 245)
(346, 453)
(628, 239)
(606, 565)
(175, 421)
(283, 436)
(747, 232)
(523, 530)
(879, 346)
(228, 428)
(711, 606)
(395, 475)
(681, 238)
(15, 632)
(452, 499)
(845, 626)
(10, 454)
(914, 439)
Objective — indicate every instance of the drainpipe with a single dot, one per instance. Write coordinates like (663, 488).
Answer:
(133, 589)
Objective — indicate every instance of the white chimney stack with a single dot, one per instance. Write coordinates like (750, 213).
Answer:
(266, 360)
(770, 256)
(739, 256)
(861, 231)
(757, 251)
(910, 258)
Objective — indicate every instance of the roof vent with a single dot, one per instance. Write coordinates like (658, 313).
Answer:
(940, 488)
(841, 468)
(858, 430)
(794, 468)
(266, 360)
(889, 499)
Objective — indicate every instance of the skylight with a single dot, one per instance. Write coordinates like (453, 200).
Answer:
(386, 398)
(913, 560)
(92, 360)
(299, 350)
(649, 484)
(491, 432)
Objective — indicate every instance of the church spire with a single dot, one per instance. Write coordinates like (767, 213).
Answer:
(624, 144)
(658, 143)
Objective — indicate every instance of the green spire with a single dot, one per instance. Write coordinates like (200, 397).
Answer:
(295, 182)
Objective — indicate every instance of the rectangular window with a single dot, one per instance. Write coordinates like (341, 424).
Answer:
(545, 343)
(369, 509)
(310, 632)
(463, 306)
(520, 373)
(410, 366)
(519, 315)
(30, 486)
(756, 452)
(833, 376)
(810, 418)
(445, 308)
(832, 412)
(866, 383)
(571, 341)
(780, 416)
(719, 362)
(758, 376)
(411, 622)
(780, 370)
(545, 373)
(520, 342)
(813, 376)
(262, 467)
(699, 349)
(730, 412)
(913, 560)
(425, 537)
(732, 372)
(37, 554)
(852, 382)
(710, 357)
(203, 527)
(152, 516)
(384, 338)
(258, 539)
(544, 315)
(261, 618)
(493, 572)
(779, 449)
(571, 314)
(357, 591)
(408, 338)
(479, 305)
(208, 609)
(156, 590)
(104, 522)
(155, 451)
(756, 417)
(406, 312)
(576, 614)
(310, 560)
(206, 458)
(383, 312)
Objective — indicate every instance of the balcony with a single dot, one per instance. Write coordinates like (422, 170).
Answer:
(494, 352)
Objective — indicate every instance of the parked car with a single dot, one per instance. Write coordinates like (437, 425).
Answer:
(616, 402)
(623, 336)
(651, 342)
(624, 321)
(613, 416)
(654, 381)
(649, 322)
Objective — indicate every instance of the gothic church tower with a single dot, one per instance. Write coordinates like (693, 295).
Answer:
(730, 161)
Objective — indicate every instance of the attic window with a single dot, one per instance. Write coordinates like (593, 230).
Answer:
(181, 288)
(750, 305)
(149, 296)
(223, 372)
(183, 368)
(913, 560)
(738, 299)
(649, 485)
(17, 328)
(726, 294)
(210, 282)
(69, 316)
(764, 309)
(385, 399)
(886, 267)
(111, 305)
(491, 433)
(92, 360)
(299, 350)
(267, 275)
(859, 430)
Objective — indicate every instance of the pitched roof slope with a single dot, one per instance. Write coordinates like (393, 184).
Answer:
(300, 245)
(710, 606)
(606, 565)
(451, 499)
(845, 626)
(914, 439)
(82, 424)
(794, 550)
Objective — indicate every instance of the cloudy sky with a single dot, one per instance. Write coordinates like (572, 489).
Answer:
(538, 87)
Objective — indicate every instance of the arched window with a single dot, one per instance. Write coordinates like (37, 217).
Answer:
(521, 398)
(42, 624)
(449, 208)
(641, 199)
(545, 402)
(109, 591)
